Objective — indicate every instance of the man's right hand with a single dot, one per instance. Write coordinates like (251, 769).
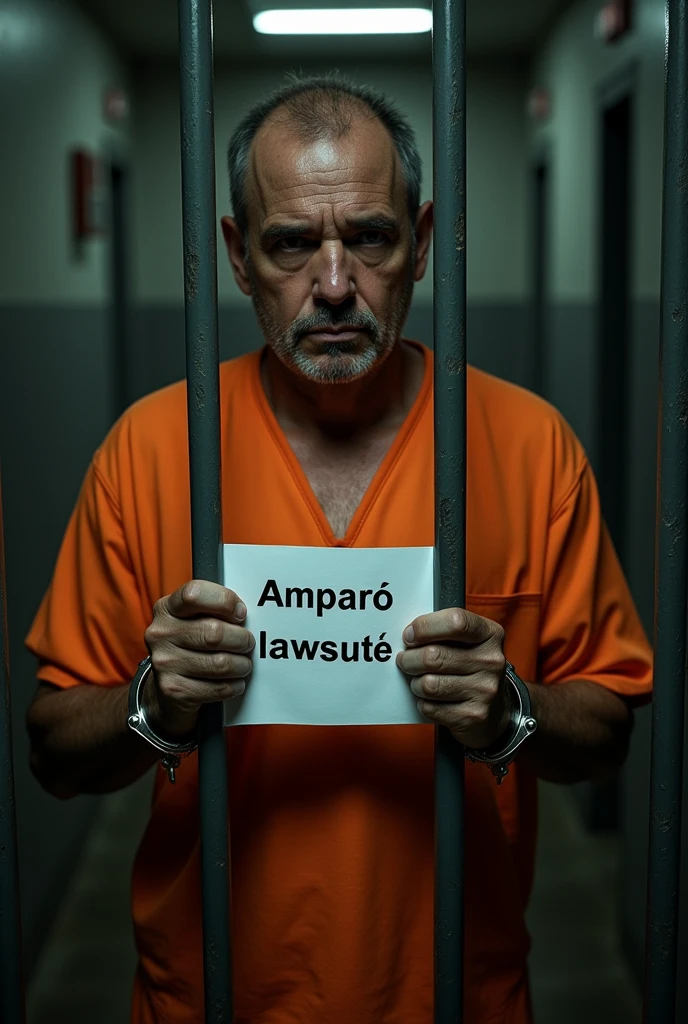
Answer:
(200, 654)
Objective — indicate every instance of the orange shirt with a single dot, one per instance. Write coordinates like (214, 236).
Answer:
(332, 827)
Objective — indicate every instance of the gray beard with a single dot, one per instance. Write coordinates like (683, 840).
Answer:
(345, 361)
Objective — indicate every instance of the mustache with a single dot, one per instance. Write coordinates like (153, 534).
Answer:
(333, 317)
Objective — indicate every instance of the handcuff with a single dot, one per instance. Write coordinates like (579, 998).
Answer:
(139, 723)
(521, 726)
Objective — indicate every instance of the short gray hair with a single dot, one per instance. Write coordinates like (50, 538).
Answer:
(319, 107)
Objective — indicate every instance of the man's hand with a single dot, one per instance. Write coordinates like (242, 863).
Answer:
(456, 660)
(199, 652)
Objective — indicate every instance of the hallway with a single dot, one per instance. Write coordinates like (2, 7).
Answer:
(86, 968)
(563, 240)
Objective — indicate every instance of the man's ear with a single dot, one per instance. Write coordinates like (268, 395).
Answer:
(234, 242)
(424, 219)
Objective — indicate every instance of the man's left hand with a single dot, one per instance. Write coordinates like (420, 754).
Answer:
(456, 660)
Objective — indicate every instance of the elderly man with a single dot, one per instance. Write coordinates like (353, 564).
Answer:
(327, 440)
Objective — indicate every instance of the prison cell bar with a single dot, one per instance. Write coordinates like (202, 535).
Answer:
(449, 324)
(668, 711)
(11, 977)
(202, 371)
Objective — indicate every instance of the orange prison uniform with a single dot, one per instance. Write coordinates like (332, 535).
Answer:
(332, 827)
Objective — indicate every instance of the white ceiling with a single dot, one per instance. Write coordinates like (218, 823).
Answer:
(147, 29)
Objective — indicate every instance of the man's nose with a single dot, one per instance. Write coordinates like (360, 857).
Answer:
(333, 281)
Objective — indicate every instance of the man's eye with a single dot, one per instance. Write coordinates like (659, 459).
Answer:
(371, 238)
(295, 244)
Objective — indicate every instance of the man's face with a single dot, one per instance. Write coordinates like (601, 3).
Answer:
(331, 253)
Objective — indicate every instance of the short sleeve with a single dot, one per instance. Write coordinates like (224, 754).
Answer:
(590, 628)
(90, 625)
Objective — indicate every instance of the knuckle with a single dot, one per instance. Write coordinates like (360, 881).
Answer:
(152, 634)
(172, 688)
(431, 685)
(478, 713)
(229, 666)
(490, 687)
(190, 592)
(498, 662)
(432, 710)
(432, 656)
(499, 633)
(212, 632)
(457, 620)
(161, 659)
(221, 664)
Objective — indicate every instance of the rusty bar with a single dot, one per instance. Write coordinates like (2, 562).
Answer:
(449, 190)
(671, 565)
(202, 369)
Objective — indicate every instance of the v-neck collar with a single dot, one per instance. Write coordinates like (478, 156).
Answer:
(384, 469)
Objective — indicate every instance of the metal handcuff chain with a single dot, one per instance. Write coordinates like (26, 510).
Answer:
(139, 723)
(522, 725)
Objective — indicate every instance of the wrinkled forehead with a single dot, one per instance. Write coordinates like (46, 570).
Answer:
(292, 176)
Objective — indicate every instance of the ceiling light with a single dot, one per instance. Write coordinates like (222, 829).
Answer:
(344, 21)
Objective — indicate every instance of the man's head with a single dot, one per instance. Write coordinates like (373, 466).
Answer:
(328, 235)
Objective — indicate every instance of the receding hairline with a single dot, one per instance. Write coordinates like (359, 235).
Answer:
(321, 106)
(293, 128)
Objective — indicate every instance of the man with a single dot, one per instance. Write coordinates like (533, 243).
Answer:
(327, 440)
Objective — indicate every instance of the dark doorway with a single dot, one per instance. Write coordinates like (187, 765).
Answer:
(540, 201)
(600, 802)
(614, 317)
(119, 275)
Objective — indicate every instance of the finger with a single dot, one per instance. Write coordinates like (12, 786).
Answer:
(447, 689)
(451, 624)
(442, 659)
(456, 717)
(211, 693)
(201, 597)
(206, 634)
(203, 691)
(169, 660)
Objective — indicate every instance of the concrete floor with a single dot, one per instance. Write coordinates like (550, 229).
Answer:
(84, 974)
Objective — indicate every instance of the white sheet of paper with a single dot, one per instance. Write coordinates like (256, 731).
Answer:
(297, 681)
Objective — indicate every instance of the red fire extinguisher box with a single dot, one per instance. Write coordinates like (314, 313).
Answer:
(88, 190)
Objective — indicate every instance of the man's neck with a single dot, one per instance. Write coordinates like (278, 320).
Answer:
(378, 401)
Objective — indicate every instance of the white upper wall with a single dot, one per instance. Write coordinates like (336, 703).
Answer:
(54, 69)
(496, 172)
(574, 66)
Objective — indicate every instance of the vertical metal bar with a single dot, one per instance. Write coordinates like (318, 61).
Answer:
(200, 292)
(11, 975)
(449, 189)
(671, 545)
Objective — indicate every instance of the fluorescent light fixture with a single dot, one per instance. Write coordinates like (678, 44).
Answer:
(339, 21)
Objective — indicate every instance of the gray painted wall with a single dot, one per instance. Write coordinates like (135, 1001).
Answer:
(55, 407)
(55, 367)
(579, 70)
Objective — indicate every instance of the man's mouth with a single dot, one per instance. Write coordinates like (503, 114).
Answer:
(344, 333)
